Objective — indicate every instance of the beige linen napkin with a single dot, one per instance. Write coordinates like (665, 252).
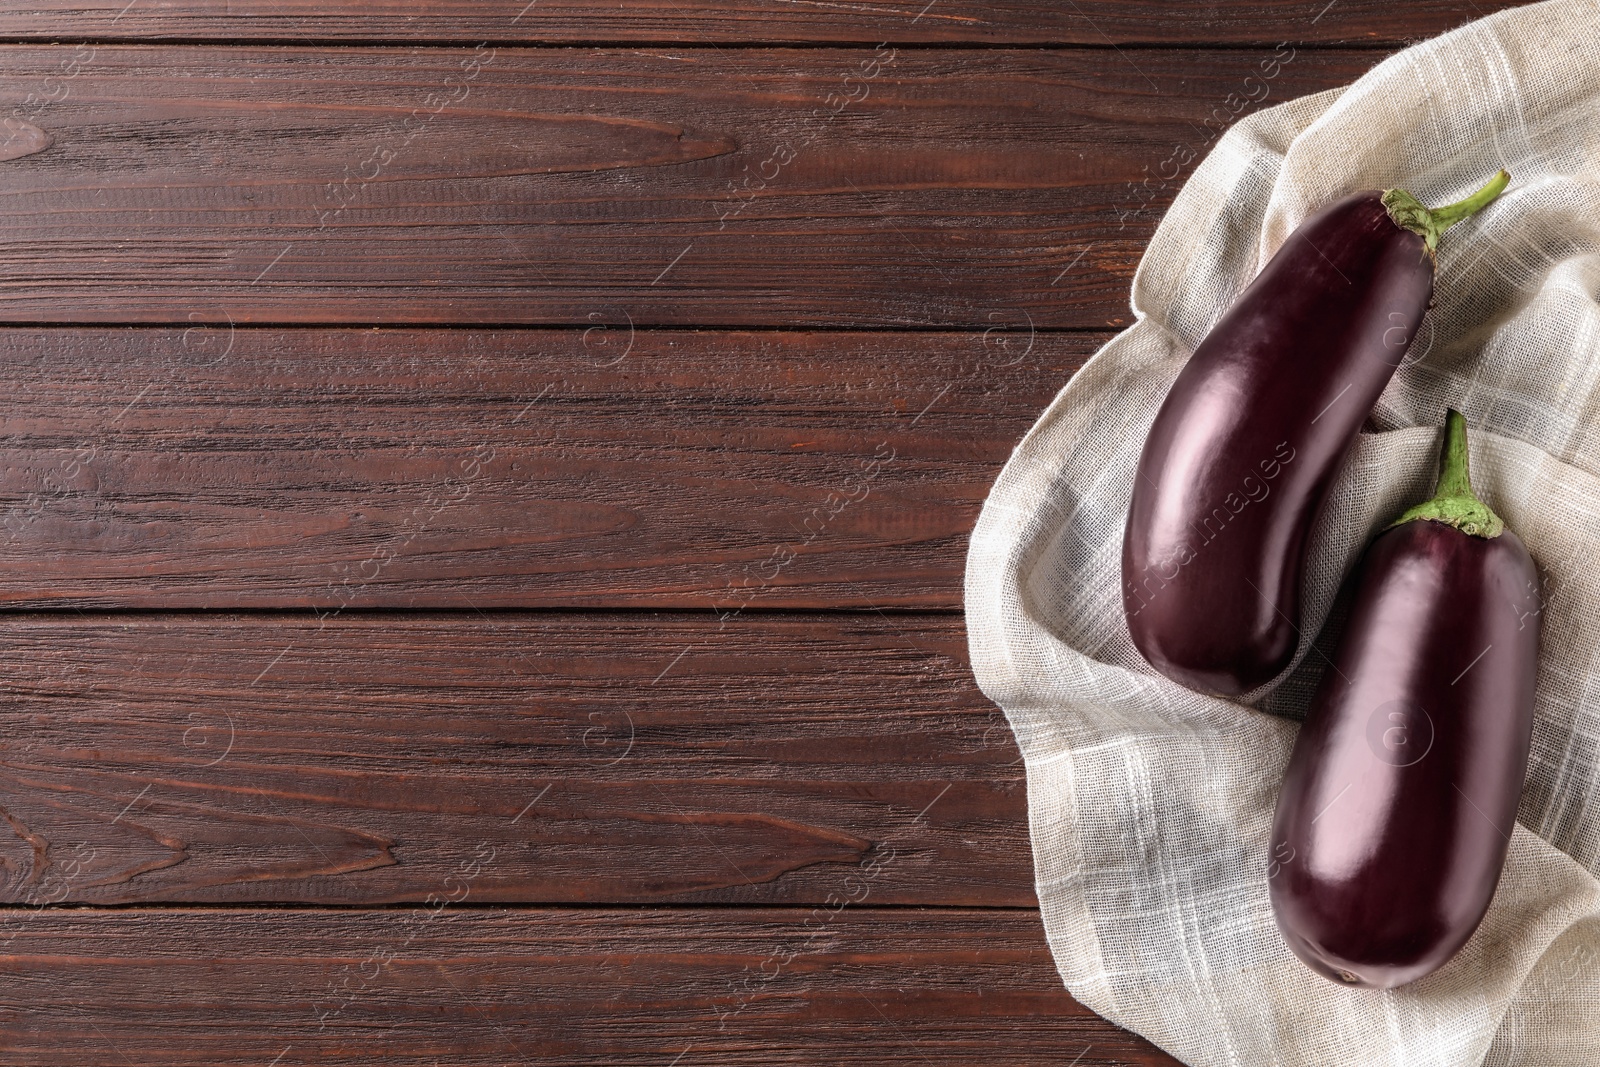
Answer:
(1149, 804)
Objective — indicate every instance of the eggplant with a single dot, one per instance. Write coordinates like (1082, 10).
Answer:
(1401, 794)
(1246, 445)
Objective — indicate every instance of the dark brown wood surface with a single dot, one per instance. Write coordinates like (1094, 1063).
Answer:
(1095, 23)
(578, 187)
(484, 494)
(602, 758)
(356, 469)
(860, 985)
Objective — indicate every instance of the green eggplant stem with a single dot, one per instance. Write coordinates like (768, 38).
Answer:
(1454, 502)
(1409, 213)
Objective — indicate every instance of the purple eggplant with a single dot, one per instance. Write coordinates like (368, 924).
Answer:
(1247, 443)
(1401, 794)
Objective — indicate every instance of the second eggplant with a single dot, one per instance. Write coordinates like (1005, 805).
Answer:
(1401, 794)
(1250, 437)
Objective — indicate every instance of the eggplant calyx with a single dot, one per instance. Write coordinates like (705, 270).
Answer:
(1409, 213)
(1454, 503)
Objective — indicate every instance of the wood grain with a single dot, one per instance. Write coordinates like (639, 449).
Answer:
(574, 758)
(422, 771)
(220, 468)
(680, 187)
(620, 988)
(1029, 22)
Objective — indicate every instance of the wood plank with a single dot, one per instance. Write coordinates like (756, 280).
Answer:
(679, 186)
(649, 988)
(226, 468)
(569, 758)
(1029, 22)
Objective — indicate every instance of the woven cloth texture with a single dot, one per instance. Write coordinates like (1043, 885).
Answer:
(1150, 805)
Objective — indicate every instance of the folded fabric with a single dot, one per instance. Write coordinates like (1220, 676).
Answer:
(1150, 804)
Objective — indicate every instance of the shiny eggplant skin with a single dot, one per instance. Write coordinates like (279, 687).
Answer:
(1246, 446)
(1400, 797)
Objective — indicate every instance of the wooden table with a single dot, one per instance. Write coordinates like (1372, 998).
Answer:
(486, 489)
